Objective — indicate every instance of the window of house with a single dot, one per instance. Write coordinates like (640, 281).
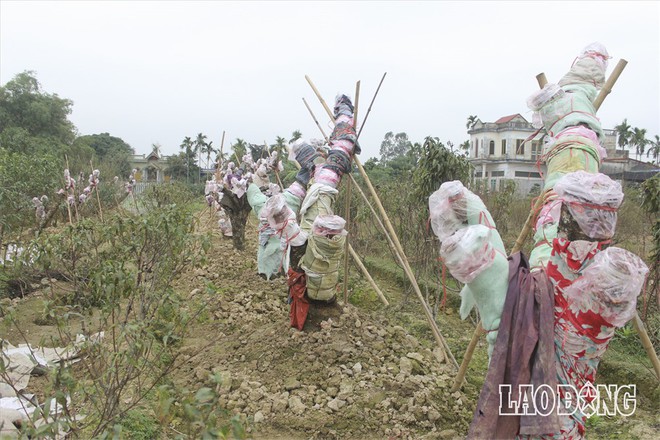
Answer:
(497, 174)
(503, 147)
(491, 148)
(493, 184)
(528, 174)
(536, 150)
(476, 148)
(520, 147)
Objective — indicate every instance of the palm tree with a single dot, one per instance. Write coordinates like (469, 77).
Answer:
(295, 136)
(465, 146)
(200, 147)
(187, 147)
(623, 133)
(639, 141)
(240, 149)
(471, 120)
(208, 150)
(655, 149)
(280, 145)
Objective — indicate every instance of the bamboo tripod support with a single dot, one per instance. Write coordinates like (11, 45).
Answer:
(364, 198)
(406, 265)
(362, 267)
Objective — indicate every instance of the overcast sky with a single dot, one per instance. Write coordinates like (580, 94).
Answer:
(159, 71)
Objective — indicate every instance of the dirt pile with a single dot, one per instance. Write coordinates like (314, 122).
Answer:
(347, 375)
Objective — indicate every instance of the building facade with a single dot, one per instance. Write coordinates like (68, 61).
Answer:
(150, 167)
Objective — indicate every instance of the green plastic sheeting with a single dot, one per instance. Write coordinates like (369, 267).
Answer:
(270, 257)
(575, 107)
(321, 264)
(572, 153)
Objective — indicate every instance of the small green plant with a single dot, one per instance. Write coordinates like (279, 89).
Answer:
(197, 414)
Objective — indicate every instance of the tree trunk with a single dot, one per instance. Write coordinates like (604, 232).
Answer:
(238, 210)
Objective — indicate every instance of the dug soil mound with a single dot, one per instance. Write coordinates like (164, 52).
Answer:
(350, 374)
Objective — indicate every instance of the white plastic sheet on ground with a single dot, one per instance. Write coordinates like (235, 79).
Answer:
(19, 363)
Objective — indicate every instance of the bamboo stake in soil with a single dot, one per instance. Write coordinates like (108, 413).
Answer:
(98, 198)
(364, 270)
(68, 207)
(219, 162)
(646, 342)
(406, 266)
(347, 212)
(277, 174)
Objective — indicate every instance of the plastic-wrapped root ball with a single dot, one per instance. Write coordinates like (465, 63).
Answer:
(449, 208)
(210, 187)
(282, 219)
(468, 252)
(597, 51)
(239, 186)
(589, 67)
(294, 147)
(609, 286)
(273, 189)
(326, 225)
(592, 200)
(541, 97)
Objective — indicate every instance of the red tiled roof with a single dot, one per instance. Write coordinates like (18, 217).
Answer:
(505, 119)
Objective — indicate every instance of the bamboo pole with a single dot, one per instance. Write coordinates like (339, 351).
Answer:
(318, 95)
(68, 206)
(370, 104)
(646, 342)
(406, 266)
(315, 121)
(96, 188)
(277, 174)
(347, 212)
(219, 163)
(607, 87)
(458, 380)
(366, 274)
(541, 79)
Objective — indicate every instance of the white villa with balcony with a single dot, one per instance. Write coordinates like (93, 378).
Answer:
(498, 153)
